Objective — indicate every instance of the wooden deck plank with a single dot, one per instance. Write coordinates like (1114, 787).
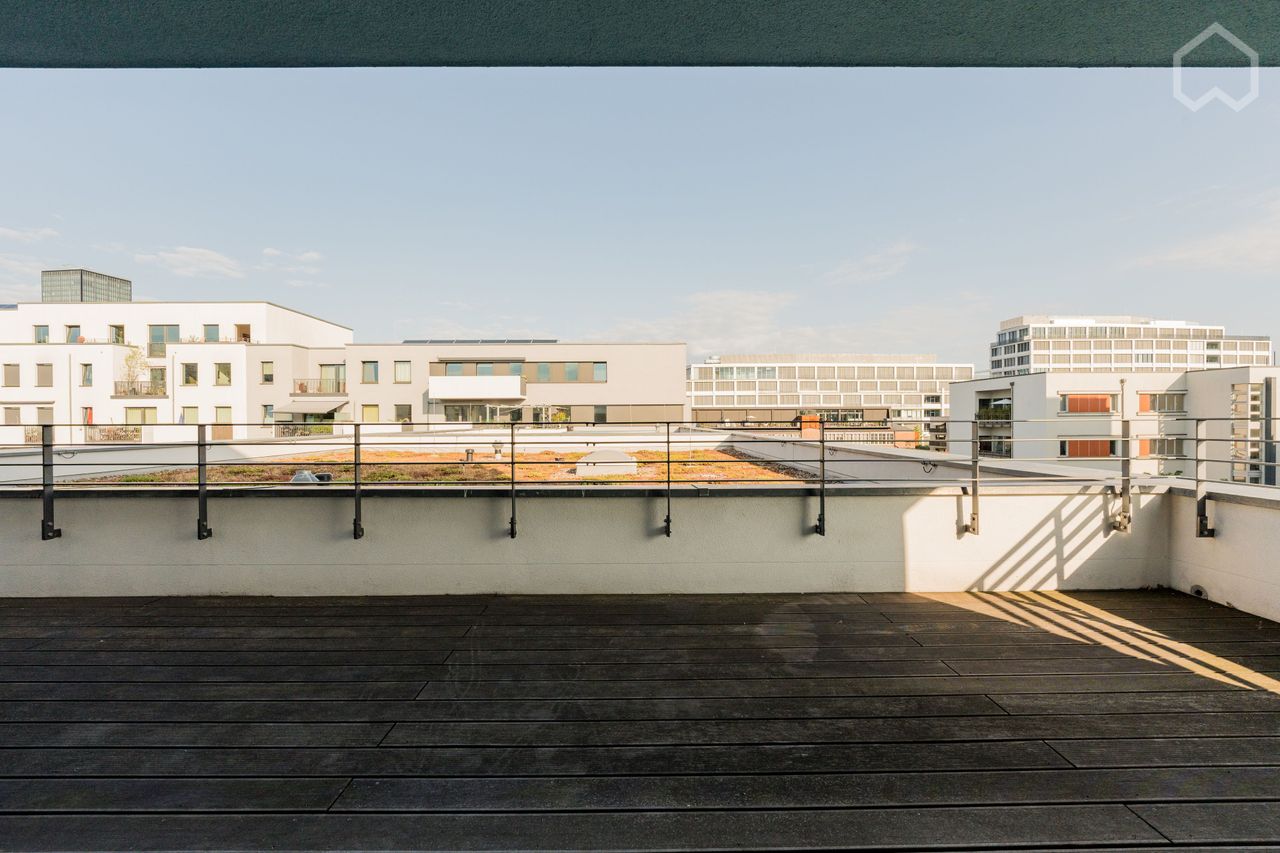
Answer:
(381, 710)
(809, 791)
(885, 686)
(169, 795)
(525, 761)
(829, 829)
(1173, 752)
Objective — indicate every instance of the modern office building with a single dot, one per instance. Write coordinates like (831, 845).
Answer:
(1077, 418)
(81, 285)
(137, 364)
(854, 389)
(1056, 344)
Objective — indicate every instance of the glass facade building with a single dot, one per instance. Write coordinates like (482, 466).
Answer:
(83, 286)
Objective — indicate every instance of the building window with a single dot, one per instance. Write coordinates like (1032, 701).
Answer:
(1160, 447)
(86, 415)
(268, 372)
(369, 413)
(211, 333)
(1080, 404)
(484, 368)
(115, 334)
(601, 414)
(268, 413)
(1086, 448)
(12, 416)
(1162, 403)
(515, 368)
(403, 372)
(86, 376)
(222, 414)
(44, 375)
(453, 368)
(44, 414)
(571, 371)
(73, 334)
(404, 413)
(157, 377)
(600, 372)
(189, 415)
(159, 337)
(222, 373)
(41, 334)
(369, 372)
(544, 371)
(140, 415)
(190, 374)
(12, 376)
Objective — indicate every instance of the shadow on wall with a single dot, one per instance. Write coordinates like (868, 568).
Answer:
(1043, 557)
(1035, 541)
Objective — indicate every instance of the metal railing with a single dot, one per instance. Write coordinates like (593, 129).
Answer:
(139, 388)
(318, 386)
(677, 457)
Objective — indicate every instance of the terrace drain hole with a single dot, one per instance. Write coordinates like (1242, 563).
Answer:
(1197, 591)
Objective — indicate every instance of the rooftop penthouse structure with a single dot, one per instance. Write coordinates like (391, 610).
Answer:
(1099, 344)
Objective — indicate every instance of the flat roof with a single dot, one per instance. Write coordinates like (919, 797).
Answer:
(196, 302)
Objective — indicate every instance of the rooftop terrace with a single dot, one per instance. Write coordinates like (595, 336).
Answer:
(1144, 719)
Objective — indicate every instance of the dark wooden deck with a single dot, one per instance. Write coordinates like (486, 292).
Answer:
(1114, 718)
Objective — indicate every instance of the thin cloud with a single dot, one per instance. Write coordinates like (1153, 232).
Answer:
(1252, 247)
(724, 322)
(272, 253)
(19, 277)
(27, 235)
(881, 264)
(192, 262)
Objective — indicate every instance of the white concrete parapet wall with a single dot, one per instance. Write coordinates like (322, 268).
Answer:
(611, 541)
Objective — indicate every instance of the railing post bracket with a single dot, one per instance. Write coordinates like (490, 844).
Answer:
(48, 530)
(203, 530)
(357, 523)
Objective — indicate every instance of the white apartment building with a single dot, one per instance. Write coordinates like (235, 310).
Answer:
(737, 388)
(1039, 343)
(1076, 418)
(111, 371)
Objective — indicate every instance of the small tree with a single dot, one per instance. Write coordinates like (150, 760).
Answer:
(135, 364)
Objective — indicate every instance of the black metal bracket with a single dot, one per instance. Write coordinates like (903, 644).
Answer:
(511, 530)
(357, 523)
(821, 527)
(1203, 530)
(203, 530)
(48, 530)
(666, 522)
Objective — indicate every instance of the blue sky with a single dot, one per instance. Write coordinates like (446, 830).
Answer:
(759, 210)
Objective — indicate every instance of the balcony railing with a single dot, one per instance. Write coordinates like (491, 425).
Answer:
(302, 430)
(140, 388)
(671, 456)
(111, 434)
(319, 386)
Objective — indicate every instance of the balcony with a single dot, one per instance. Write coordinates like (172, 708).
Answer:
(1050, 694)
(139, 388)
(318, 387)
